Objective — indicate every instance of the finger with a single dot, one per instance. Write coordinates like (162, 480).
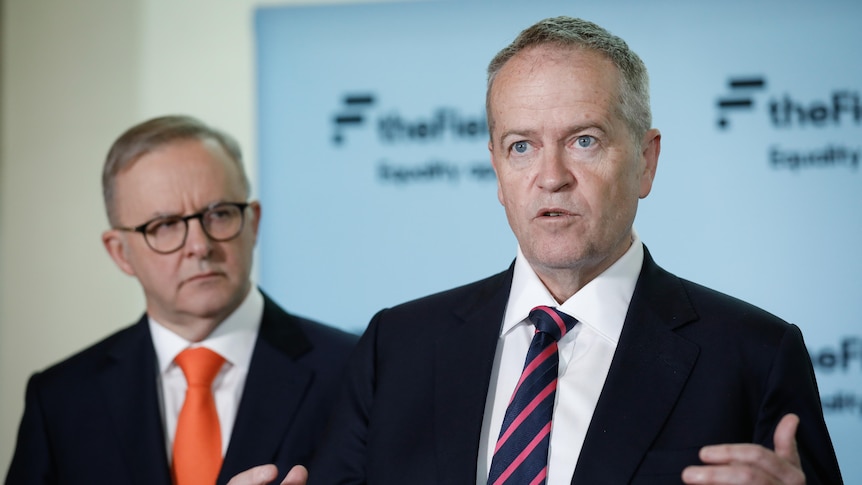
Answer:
(297, 475)
(259, 475)
(743, 463)
(751, 463)
(785, 439)
(732, 453)
(724, 475)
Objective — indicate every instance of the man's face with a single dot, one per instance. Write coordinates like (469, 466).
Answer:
(568, 169)
(205, 279)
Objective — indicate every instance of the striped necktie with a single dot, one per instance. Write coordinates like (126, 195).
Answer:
(521, 454)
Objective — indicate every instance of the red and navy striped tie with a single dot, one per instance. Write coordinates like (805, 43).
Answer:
(521, 455)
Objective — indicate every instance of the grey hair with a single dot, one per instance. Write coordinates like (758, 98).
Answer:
(149, 135)
(574, 32)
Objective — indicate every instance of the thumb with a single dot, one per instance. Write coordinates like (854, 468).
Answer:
(785, 439)
(297, 475)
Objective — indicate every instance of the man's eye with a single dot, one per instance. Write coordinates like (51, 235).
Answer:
(219, 214)
(520, 146)
(585, 141)
(162, 226)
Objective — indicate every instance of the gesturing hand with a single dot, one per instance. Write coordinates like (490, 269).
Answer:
(264, 474)
(749, 463)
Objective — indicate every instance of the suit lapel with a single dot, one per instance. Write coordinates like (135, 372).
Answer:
(647, 374)
(128, 382)
(464, 356)
(273, 392)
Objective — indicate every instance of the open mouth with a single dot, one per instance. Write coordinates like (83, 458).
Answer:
(553, 212)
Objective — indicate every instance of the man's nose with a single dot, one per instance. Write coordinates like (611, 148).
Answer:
(554, 170)
(197, 241)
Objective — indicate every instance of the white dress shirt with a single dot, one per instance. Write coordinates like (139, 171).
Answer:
(585, 357)
(233, 339)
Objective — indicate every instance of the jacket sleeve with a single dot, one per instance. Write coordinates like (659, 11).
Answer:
(792, 388)
(342, 458)
(32, 463)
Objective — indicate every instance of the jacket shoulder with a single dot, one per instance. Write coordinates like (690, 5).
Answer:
(465, 296)
(84, 363)
(297, 335)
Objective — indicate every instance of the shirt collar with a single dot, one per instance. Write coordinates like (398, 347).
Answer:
(601, 304)
(233, 338)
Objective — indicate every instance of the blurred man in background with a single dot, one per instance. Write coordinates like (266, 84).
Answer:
(215, 377)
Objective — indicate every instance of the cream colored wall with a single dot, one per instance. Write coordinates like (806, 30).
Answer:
(75, 74)
(70, 82)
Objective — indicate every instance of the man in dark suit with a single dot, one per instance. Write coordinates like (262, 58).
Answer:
(660, 380)
(177, 200)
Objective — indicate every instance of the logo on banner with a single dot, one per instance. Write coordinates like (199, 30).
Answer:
(741, 98)
(836, 109)
(440, 127)
(392, 127)
(351, 115)
(843, 358)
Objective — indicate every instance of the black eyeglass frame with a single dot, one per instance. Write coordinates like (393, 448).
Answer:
(185, 220)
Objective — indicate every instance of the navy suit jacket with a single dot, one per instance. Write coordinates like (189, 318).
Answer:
(95, 417)
(692, 367)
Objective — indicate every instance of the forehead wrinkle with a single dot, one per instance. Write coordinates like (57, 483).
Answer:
(567, 131)
(573, 117)
(201, 208)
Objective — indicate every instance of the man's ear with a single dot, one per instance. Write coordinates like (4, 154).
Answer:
(116, 244)
(650, 149)
(255, 217)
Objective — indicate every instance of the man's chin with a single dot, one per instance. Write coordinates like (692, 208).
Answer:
(557, 258)
(210, 300)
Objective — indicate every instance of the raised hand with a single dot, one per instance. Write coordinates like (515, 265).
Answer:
(749, 463)
(265, 474)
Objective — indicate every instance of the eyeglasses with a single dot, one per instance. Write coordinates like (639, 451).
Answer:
(220, 222)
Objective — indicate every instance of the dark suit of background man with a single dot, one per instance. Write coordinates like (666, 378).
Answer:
(658, 368)
(181, 223)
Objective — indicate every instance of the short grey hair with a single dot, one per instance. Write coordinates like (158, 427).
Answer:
(154, 133)
(574, 32)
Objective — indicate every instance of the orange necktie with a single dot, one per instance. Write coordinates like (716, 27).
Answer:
(197, 442)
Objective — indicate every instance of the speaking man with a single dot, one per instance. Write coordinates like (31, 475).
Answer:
(584, 362)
